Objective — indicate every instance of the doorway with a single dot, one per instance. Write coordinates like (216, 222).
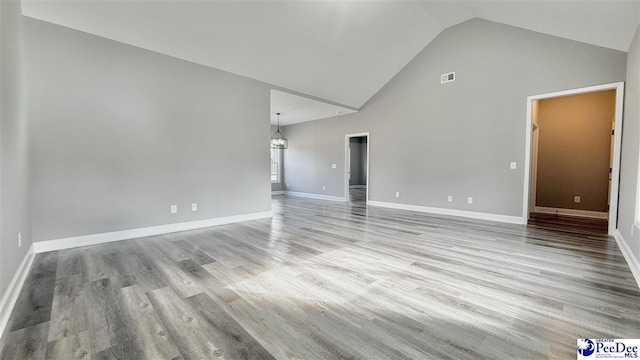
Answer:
(573, 157)
(357, 168)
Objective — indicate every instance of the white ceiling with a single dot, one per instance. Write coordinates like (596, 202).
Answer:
(607, 23)
(341, 51)
(295, 109)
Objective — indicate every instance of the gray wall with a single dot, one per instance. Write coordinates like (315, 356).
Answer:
(279, 186)
(313, 147)
(354, 158)
(14, 194)
(358, 166)
(630, 149)
(119, 133)
(429, 140)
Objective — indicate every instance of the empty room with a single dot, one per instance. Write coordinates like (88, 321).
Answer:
(416, 179)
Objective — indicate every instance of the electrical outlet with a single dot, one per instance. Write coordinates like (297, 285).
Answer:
(19, 239)
(449, 198)
(194, 207)
(333, 166)
(470, 200)
(324, 187)
(513, 165)
(174, 209)
(576, 199)
(397, 194)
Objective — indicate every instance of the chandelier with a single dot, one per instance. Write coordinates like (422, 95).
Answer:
(278, 141)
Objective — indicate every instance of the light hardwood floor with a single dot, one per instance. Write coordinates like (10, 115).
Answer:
(328, 280)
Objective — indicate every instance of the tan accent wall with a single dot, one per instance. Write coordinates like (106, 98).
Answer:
(574, 151)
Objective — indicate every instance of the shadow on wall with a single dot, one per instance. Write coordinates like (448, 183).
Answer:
(358, 161)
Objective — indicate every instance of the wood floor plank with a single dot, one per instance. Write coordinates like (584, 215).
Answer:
(148, 332)
(185, 327)
(167, 268)
(96, 265)
(69, 310)
(36, 297)
(69, 263)
(228, 336)
(45, 262)
(208, 283)
(194, 253)
(106, 322)
(26, 343)
(71, 347)
(277, 336)
(124, 351)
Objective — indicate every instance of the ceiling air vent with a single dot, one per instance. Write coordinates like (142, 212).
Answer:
(448, 77)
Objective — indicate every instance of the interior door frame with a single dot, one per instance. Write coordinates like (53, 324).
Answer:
(535, 134)
(347, 164)
(615, 181)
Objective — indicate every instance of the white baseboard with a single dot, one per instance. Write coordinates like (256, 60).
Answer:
(633, 262)
(314, 196)
(93, 239)
(13, 290)
(450, 212)
(357, 186)
(572, 212)
(277, 192)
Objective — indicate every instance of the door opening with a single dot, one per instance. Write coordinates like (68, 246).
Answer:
(572, 163)
(357, 168)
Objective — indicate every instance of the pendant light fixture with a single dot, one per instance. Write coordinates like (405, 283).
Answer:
(278, 141)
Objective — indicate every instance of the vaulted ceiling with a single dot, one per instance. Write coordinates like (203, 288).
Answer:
(341, 51)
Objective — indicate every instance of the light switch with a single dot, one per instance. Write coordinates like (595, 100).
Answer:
(324, 187)
(576, 199)
(333, 166)
(513, 165)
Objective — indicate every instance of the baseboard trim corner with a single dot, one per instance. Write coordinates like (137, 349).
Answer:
(632, 261)
(315, 196)
(10, 295)
(94, 239)
(450, 212)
